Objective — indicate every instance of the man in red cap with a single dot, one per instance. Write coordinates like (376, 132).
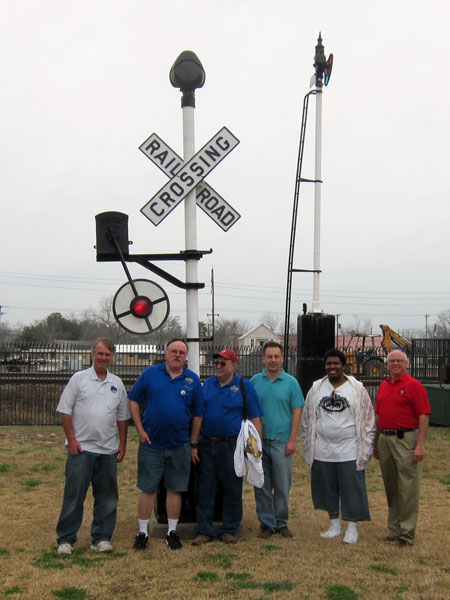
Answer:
(222, 418)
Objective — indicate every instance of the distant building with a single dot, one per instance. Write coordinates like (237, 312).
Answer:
(257, 337)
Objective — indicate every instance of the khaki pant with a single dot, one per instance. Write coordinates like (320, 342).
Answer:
(401, 476)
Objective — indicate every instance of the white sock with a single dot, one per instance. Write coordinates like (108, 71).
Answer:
(335, 524)
(352, 525)
(172, 523)
(143, 525)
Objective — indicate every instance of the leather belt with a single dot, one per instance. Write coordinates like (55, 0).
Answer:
(397, 432)
(219, 439)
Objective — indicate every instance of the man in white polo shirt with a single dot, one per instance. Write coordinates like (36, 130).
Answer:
(92, 407)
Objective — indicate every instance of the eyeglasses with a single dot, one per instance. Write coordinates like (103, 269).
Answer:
(220, 363)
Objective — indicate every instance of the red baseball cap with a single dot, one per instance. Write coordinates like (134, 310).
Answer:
(228, 354)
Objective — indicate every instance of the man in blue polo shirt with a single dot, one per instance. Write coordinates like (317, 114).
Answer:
(282, 401)
(222, 420)
(172, 400)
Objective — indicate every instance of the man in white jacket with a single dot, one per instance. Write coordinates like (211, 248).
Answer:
(338, 429)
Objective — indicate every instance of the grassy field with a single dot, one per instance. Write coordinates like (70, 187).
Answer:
(32, 463)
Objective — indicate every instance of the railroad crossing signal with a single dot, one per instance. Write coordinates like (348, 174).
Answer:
(187, 176)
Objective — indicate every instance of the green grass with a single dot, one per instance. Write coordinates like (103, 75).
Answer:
(13, 590)
(238, 576)
(4, 552)
(5, 467)
(206, 576)
(43, 467)
(446, 481)
(31, 483)
(223, 560)
(51, 560)
(340, 592)
(70, 593)
(268, 586)
(384, 569)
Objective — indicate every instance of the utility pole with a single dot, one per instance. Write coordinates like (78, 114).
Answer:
(213, 313)
(337, 324)
(426, 325)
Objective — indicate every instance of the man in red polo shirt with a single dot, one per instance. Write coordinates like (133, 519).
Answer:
(402, 411)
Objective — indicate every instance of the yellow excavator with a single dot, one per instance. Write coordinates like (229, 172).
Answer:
(362, 359)
(390, 336)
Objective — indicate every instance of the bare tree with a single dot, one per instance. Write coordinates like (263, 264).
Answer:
(442, 326)
(228, 330)
(360, 326)
(101, 322)
(412, 333)
(271, 320)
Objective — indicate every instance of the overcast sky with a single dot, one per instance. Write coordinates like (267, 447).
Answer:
(85, 83)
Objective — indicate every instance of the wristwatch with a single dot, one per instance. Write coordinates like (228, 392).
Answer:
(194, 445)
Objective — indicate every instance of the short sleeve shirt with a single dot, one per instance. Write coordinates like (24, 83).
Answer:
(95, 407)
(224, 406)
(400, 403)
(168, 404)
(278, 399)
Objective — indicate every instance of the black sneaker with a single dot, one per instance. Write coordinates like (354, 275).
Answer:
(140, 541)
(173, 541)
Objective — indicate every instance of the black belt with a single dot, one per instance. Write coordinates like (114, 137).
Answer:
(398, 432)
(219, 439)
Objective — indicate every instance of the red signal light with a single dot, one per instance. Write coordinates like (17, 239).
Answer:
(141, 306)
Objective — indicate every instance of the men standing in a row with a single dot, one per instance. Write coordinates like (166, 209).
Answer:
(172, 400)
(338, 429)
(282, 401)
(402, 411)
(223, 414)
(92, 407)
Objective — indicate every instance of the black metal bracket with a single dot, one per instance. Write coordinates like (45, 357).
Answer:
(144, 261)
(306, 270)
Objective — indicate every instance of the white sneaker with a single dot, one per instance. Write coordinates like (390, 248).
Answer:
(351, 536)
(65, 549)
(103, 546)
(333, 532)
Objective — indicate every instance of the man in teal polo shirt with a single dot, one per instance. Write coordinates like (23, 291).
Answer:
(282, 401)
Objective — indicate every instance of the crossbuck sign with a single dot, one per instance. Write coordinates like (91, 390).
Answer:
(187, 176)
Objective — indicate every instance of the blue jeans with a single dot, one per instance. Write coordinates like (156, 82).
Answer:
(217, 465)
(334, 483)
(272, 500)
(81, 470)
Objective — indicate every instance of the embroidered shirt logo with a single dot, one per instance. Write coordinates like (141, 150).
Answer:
(114, 389)
(188, 379)
(234, 388)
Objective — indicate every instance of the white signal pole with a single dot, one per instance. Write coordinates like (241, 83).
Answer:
(323, 68)
(187, 73)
